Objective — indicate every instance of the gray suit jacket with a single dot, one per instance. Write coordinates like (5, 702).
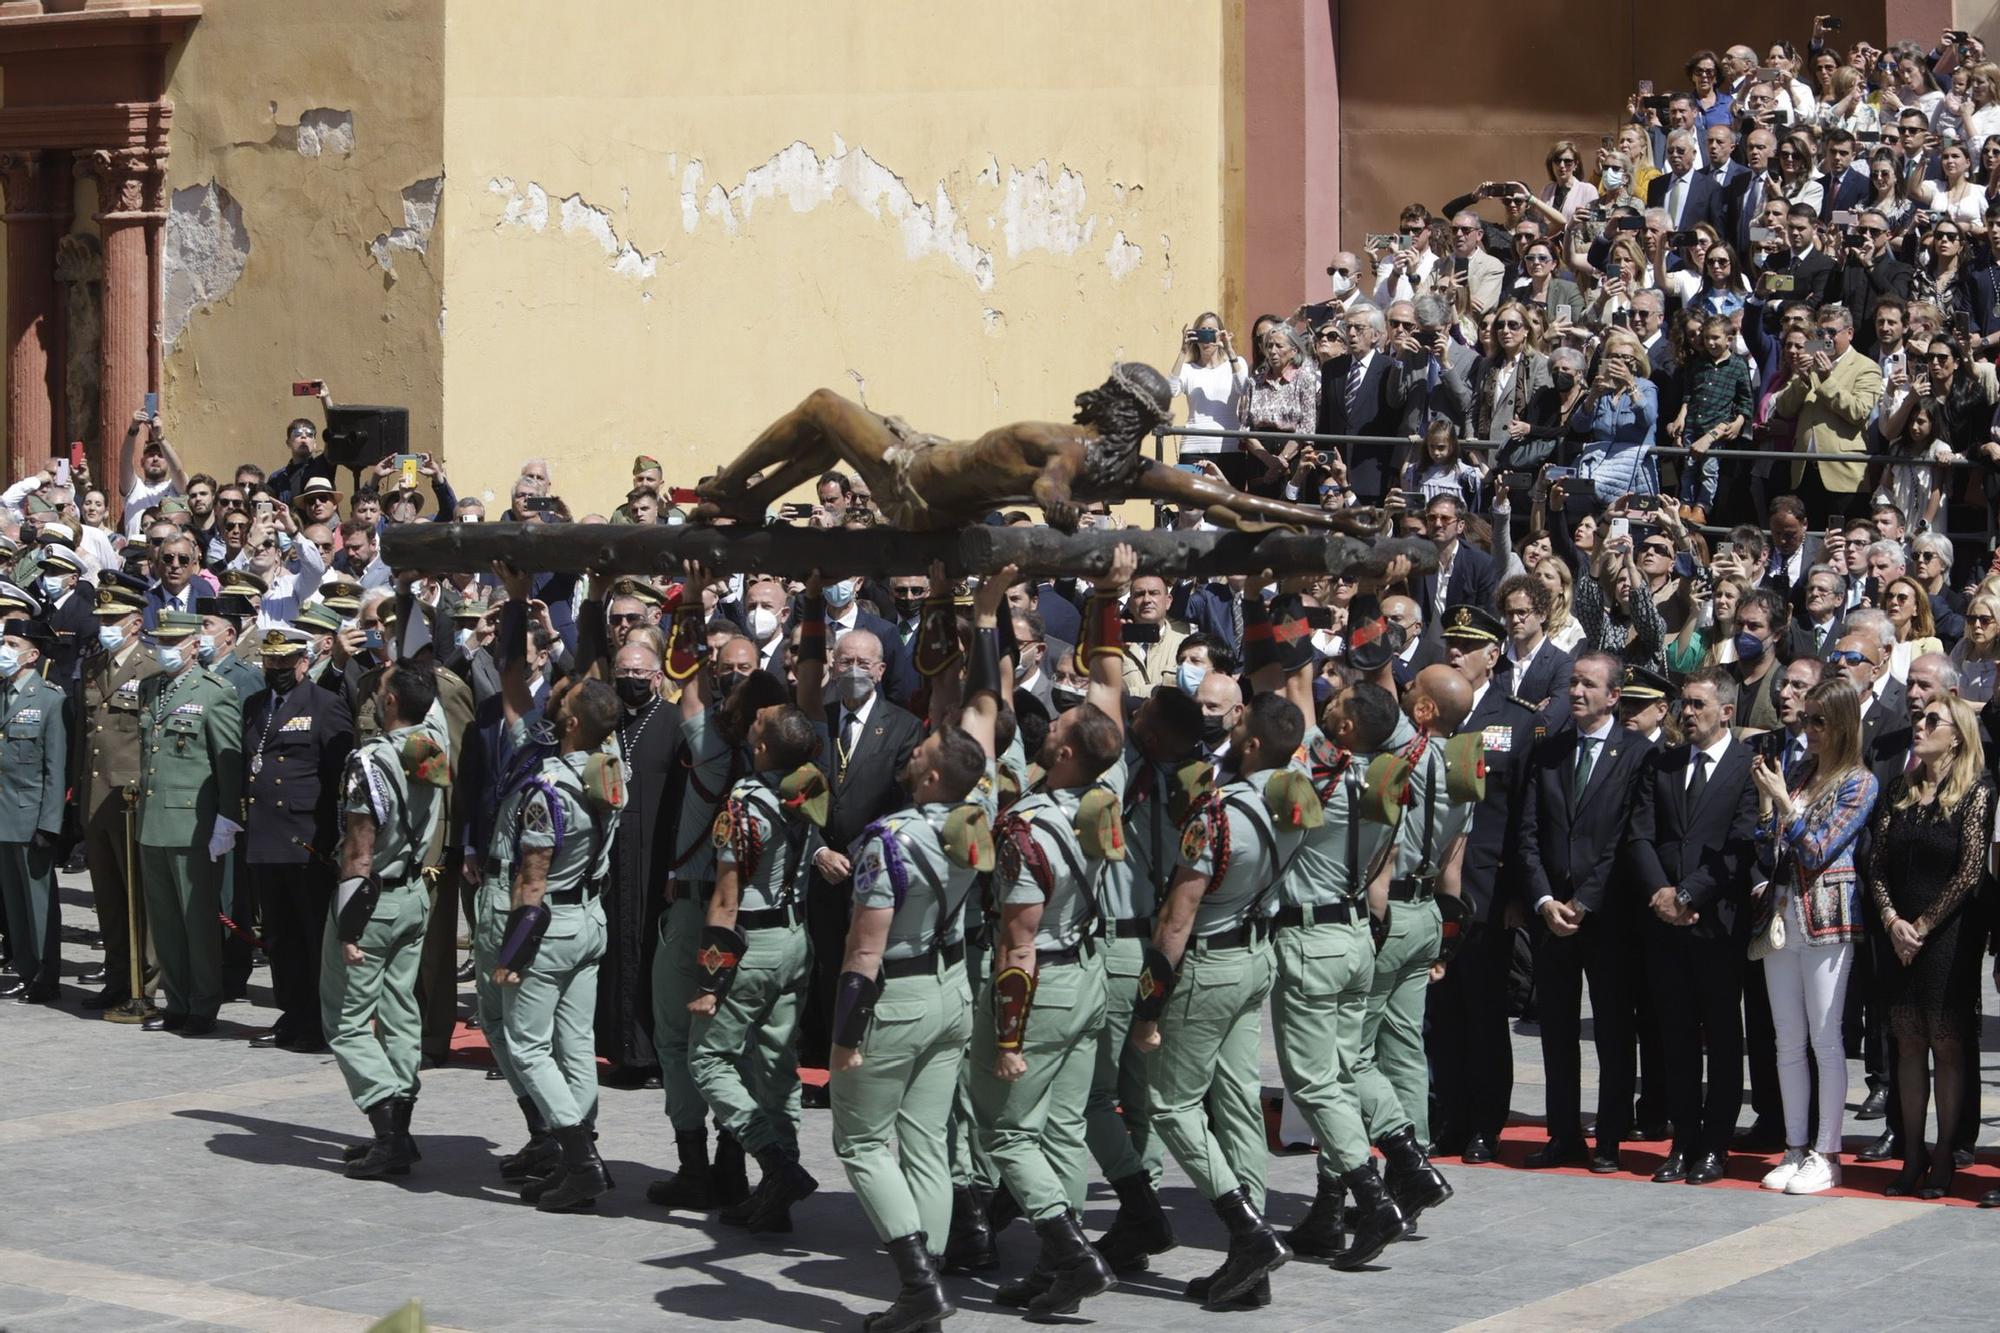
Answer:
(1452, 398)
(1493, 412)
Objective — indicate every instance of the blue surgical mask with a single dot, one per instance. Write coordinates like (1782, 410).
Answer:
(53, 584)
(111, 636)
(10, 663)
(466, 636)
(284, 541)
(1189, 676)
(168, 655)
(204, 648)
(839, 595)
(1749, 647)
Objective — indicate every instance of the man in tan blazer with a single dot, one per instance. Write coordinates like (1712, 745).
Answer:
(1831, 393)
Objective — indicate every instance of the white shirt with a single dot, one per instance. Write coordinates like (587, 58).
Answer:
(1391, 286)
(1478, 693)
(850, 723)
(1599, 736)
(143, 496)
(1212, 393)
(1521, 664)
(1714, 753)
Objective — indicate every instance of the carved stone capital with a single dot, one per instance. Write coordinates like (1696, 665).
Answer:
(131, 182)
(36, 189)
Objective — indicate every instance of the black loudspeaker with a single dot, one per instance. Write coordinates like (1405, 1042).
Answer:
(358, 437)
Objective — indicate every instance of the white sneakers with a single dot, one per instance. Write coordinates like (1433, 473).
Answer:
(1803, 1171)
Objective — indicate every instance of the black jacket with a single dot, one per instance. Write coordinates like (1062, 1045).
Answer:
(868, 785)
(1570, 851)
(1510, 733)
(1705, 850)
(289, 797)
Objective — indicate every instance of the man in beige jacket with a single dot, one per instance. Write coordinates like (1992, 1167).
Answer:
(1151, 652)
(1832, 392)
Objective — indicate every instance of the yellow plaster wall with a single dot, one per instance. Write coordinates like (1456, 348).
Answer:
(311, 301)
(637, 110)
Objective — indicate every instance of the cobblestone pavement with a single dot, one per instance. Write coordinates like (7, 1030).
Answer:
(155, 1182)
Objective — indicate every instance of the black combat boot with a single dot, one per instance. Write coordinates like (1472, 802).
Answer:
(1256, 1298)
(581, 1180)
(1410, 1178)
(692, 1186)
(590, 1123)
(403, 1105)
(969, 1248)
(1319, 1234)
(1254, 1249)
(1141, 1228)
(1076, 1271)
(921, 1301)
(538, 1153)
(386, 1154)
(1376, 1219)
(785, 1182)
(729, 1178)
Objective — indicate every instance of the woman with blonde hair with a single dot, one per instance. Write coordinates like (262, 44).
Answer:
(1809, 921)
(1624, 413)
(1563, 629)
(1636, 146)
(1908, 607)
(1926, 857)
(1977, 655)
(1703, 635)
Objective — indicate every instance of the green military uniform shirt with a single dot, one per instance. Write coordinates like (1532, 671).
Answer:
(191, 743)
(34, 755)
(110, 685)
(406, 813)
(752, 836)
(1070, 909)
(710, 760)
(900, 863)
(1255, 848)
(555, 818)
(1332, 860)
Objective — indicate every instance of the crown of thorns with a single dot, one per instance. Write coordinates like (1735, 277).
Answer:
(1124, 380)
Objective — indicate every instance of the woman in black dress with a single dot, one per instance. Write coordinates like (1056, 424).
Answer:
(1928, 850)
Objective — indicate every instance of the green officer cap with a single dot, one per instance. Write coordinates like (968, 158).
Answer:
(176, 625)
(318, 619)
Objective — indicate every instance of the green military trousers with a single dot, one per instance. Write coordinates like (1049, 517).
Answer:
(889, 1115)
(1319, 1007)
(1206, 1080)
(33, 917)
(183, 909)
(369, 1008)
(744, 1057)
(1391, 1077)
(970, 1162)
(490, 910)
(551, 1016)
(1117, 1118)
(674, 977)
(1034, 1126)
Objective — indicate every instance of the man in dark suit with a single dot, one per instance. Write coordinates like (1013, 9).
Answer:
(175, 564)
(1843, 186)
(1812, 274)
(868, 741)
(1819, 626)
(1870, 271)
(1694, 827)
(1464, 573)
(69, 611)
(1743, 204)
(1723, 168)
(1531, 667)
(1466, 1038)
(1355, 398)
(1688, 193)
(296, 739)
(1580, 794)
(899, 680)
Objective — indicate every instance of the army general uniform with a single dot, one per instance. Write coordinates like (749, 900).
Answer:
(108, 788)
(35, 752)
(191, 742)
(889, 1114)
(369, 1009)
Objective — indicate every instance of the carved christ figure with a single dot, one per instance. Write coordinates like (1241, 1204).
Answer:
(924, 483)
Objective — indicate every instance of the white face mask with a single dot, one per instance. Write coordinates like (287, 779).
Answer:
(1614, 178)
(763, 623)
(1342, 284)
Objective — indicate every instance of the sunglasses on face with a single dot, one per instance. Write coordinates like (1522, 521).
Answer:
(1979, 620)
(1945, 235)
(1402, 323)
(626, 619)
(174, 560)
(1932, 721)
(1565, 161)
(1656, 548)
(1873, 231)
(1848, 657)
(1508, 324)
(1463, 230)
(1411, 231)
(1329, 335)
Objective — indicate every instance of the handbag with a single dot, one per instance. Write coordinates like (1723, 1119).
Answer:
(1768, 938)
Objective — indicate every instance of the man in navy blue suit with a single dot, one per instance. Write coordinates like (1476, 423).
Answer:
(1845, 187)
(1688, 193)
(1464, 574)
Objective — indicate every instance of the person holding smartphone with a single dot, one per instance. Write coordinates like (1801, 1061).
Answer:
(1213, 379)
(1624, 411)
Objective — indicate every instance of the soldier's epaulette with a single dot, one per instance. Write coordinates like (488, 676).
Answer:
(223, 681)
(1517, 699)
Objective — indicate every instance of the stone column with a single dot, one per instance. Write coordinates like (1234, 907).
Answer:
(37, 214)
(131, 200)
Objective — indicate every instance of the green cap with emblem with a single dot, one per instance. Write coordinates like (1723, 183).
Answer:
(318, 619)
(176, 625)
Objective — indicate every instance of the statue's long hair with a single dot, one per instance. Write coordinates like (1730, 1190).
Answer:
(1127, 406)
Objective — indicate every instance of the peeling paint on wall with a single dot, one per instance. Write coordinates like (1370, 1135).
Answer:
(1122, 257)
(420, 208)
(206, 252)
(529, 208)
(326, 131)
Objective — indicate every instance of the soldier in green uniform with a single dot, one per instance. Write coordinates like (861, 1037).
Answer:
(1034, 1057)
(191, 740)
(903, 1012)
(108, 781)
(1200, 1000)
(215, 650)
(546, 965)
(753, 957)
(392, 797)
(1391, 1077)
(1163, 775)
(712, 763)
(34, 752)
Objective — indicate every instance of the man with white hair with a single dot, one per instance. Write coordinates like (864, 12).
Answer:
(1356, 397)
(1687, 193)
(1930, 566)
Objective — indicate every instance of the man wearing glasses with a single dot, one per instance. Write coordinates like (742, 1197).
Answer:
(1355, 399)
(302, 440)
(1868, 274)
(1688, 193)
(1470, 262)
(1402, 272)
(174, 565)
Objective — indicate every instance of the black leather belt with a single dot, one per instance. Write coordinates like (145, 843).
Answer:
(1249, 933)
(1412, 890)
(1132, 928)
(568, 897)
(924, 965)
(1338, 914)
(773, 918)
(684, 891)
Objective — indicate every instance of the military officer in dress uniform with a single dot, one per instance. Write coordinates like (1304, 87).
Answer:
(35, 756)
(108, 782)
(69, 603)
(215, 648)
(546, 966)
(903, 1012)
(1471, 1051)
(1201, 998)
(391, 801)
(190, 739)
(1033, 1060)
(296, 739)
(742, 1050)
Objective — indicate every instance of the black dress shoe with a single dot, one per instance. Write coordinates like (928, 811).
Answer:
(1762, 1136)
(1670, 1172)
(1557, 1152)
(1478, 1150)
(164, 1023)
(434, 1061)
(95, 977)
(1706, 1168)
(1961, 1158)
(1990, 1199)
(39, 995)
(108, 998)
(1604, 1160)
(813, 1096)
(1882, 1149)
(197, 1027)
(1874, 1106)
(14, 991)
(307, 1045)
(272, 1040)
(1656, 1131)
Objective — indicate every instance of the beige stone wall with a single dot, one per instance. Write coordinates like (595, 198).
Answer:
(664, 223)
(294, 251)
